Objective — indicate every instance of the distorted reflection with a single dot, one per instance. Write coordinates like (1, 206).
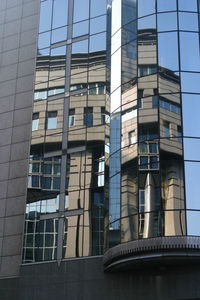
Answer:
(66, 187)
(152, 189)
(111, 126)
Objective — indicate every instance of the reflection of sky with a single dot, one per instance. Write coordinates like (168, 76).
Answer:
(97, 43)
(192, 149)
(189, 41)
(98, 7)
(80, 47)
(192, 172)
(166, 5)
(191, 127)
(190, 82)
(60, 20)
(146, 7)
(147, 22)
(81, 9)
(188, 5)
(60, 13)
(168, 50)
(193, 218)
(167, 22)
(45, 15)
(191, 109)
(188, 21)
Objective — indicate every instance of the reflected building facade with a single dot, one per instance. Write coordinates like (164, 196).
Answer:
(65, 196)
(149, 128)
(112, 158)
(107, 104)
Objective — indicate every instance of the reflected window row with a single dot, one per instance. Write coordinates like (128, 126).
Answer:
(95, 88)
(77, 117)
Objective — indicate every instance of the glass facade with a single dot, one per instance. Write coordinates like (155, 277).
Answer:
(114, 153)
(65, 195)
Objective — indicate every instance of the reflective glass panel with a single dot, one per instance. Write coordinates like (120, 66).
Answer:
(188, 21)
(97, 7)
(168, 50)
(44, 51)
(146, 7)
(97, 25)
(129, 63)
(44, 40)
(191, 109)
(98, 42)
(129, 225)
(147, 22)
(81, 10)
(60, 12)
(80, 28)
(80, 47)
(129, 11)
(192, 171)
(59, 35)
(174, 223)
(163, 5)
(192, 221)
(167, 21)
(59, 51)
(191, 149)
(190, 82)
(187, 5)
(190, 59)
(45, 15)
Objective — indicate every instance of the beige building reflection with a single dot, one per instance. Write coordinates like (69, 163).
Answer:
(152, 108)
(84, 123)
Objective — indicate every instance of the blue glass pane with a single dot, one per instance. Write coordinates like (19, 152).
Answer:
(166, 5)
(187, 5)
(146, 7)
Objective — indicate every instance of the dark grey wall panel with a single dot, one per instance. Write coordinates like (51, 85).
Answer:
(18, 33)
(83, 279)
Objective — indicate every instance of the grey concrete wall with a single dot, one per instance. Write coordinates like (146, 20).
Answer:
(83, 279)
(18, 32)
